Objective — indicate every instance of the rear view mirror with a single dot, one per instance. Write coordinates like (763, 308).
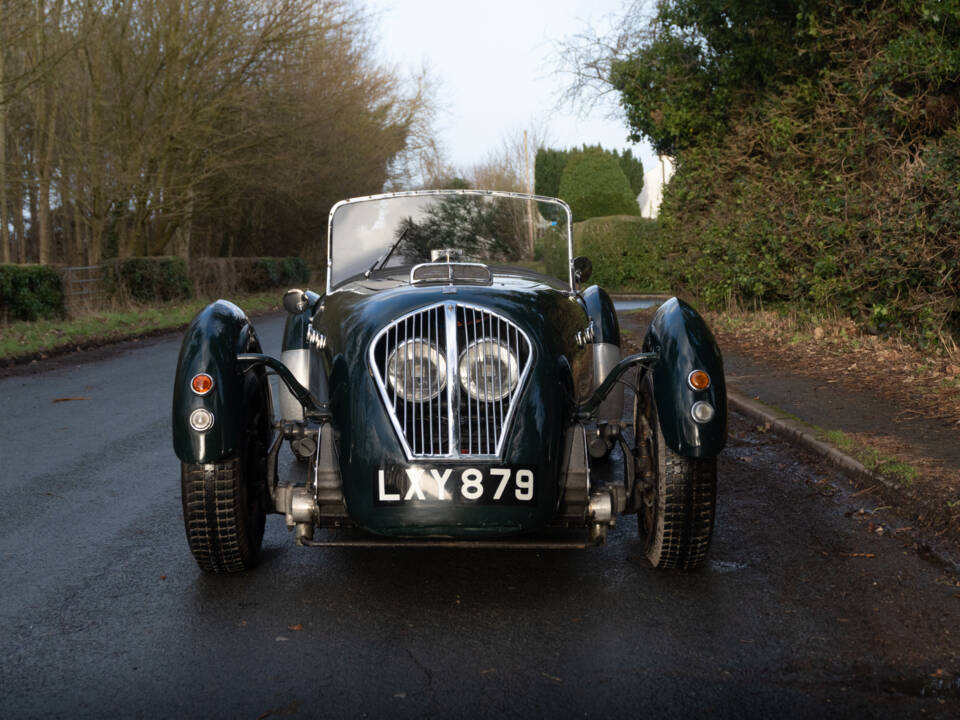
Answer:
(295, 301)
(582, 269)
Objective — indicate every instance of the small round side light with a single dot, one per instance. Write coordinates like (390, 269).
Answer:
(702, 412)
(698, 380)
(201, 420)
(201, 384)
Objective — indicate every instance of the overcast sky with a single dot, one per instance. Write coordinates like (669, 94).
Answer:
(495, 62)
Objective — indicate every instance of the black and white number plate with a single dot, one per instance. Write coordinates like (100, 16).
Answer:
(512, 485)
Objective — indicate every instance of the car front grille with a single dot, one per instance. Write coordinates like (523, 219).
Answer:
(450, 375)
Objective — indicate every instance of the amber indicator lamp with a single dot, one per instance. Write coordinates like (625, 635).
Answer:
(202, 384)
(699, 380)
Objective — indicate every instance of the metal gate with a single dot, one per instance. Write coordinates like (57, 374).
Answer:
(83, 288)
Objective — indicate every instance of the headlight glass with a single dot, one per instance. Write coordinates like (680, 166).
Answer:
(417, 370)
(489, 370)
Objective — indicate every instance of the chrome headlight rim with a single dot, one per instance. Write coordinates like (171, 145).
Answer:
(398, 378)
(472, 377)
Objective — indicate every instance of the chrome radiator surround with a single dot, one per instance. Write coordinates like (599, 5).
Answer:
(449, 422)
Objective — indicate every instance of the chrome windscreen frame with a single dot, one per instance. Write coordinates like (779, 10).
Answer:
(489, 193)
(453, 389)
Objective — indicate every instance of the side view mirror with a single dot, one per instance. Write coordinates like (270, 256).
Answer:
(295, 301)
(582, 269)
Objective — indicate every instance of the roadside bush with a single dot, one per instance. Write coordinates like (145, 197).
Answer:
(624, 252)
(30, 292)
(594, 185)
(147, 279)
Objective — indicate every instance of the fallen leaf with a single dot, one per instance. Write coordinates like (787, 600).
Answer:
(295, 628)
(69, 399)
(857, 555)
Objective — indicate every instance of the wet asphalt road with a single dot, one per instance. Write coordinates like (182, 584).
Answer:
(804, 609)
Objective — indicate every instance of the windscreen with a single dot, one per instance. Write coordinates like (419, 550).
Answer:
(380, 235)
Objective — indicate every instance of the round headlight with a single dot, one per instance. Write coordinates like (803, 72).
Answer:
(489, 371)
(417, 371)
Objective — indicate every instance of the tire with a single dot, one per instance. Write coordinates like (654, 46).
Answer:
(676, 504)
(225, 504)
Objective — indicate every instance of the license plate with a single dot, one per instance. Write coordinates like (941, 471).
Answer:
(460, 485)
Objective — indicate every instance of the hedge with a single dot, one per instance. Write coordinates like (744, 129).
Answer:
(593, 185)
(147, 279)
(30, 292)
(162, 279)
(624, 251)
(223, 276)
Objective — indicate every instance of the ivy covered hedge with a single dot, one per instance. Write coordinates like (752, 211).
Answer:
(30, 292)
(624, 252)
(818, 155)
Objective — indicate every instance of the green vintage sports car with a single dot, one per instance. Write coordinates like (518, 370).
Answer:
(448, 389)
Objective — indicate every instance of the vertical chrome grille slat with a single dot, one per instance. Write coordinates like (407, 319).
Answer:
(419, 437)
(456, 423)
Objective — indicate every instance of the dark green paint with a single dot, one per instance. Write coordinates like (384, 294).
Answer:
(684, 343)
(211, 344)
(366, 440)
(600, 309)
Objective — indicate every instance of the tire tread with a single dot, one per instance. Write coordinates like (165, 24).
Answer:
(214, 519)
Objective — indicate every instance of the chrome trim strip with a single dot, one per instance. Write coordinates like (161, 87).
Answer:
(450, 269)
(453, 385)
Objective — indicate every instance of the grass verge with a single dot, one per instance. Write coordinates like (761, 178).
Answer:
(26, 340)
(927, 380)
(874, 460)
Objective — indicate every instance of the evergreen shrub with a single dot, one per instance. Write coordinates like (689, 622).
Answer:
(30, 292)
(594, 185)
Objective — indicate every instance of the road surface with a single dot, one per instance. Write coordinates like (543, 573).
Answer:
(804, 609)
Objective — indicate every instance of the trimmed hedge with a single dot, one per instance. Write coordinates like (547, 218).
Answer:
(593, 185)
(223, 276)
(624, 251)
(30, 292)
(163, 279)
(147, 279)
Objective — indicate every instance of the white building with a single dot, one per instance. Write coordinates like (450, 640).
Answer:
(654, 181)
